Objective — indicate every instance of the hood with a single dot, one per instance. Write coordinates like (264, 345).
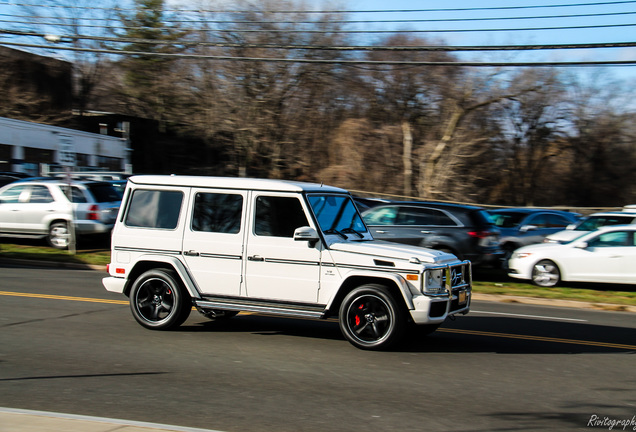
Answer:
(538, 247)
(565, 235)
(385, 249)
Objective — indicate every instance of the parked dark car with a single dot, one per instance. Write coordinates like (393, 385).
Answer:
(463, 230)
(524, 226)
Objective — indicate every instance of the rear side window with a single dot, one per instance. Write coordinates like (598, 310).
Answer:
(40, 195)
(154, 209)
(217, 212)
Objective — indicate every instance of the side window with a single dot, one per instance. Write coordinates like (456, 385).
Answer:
(557, 221)
(154, 209)
(278, 216)
(40, 194)
(77, 196)
(12, 195)
(423, 216)
(217, 212)
(540, 221)
(381, 216)
(612, 239)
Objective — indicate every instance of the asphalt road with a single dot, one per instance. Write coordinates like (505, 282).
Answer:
(67, 345)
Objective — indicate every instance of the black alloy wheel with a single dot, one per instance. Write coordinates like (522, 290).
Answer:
(159, 301)
(370, 318)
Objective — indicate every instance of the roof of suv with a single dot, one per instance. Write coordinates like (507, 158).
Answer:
(530, 210)
(232, 183)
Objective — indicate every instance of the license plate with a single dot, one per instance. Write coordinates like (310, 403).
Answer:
(461, 297)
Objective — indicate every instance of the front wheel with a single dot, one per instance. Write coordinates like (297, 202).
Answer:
(370, 318)
(546, 274)
(159, 301)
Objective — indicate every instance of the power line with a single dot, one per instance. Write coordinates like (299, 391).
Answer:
(336, 61)
(368, 31)
(192, 43)
(397, 21)
(470, 9)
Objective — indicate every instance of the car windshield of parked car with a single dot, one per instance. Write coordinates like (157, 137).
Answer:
(594, 222)
(336, 213)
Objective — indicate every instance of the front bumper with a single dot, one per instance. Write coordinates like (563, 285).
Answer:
(434, 308)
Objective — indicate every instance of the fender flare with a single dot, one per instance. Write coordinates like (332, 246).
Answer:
(356, 279)
(145, 262)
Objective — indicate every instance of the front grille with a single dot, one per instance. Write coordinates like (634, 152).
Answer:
(460, 276)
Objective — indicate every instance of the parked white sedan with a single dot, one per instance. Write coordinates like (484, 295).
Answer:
(607, 255)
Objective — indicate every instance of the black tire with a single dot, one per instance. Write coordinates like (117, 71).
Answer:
(159, 301)
(59, 236)
(508, 249)
(546, 274)
(371, 319)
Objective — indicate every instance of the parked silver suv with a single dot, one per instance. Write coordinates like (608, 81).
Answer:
(44, 208)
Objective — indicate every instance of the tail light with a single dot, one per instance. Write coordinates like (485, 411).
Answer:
(93, 213)
(481, 234)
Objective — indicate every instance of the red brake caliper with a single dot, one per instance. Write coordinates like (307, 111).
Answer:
(358, 316)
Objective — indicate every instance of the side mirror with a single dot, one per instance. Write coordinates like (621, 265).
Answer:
(307, 234)
(581, 245)
(527, 228)
(571, 226)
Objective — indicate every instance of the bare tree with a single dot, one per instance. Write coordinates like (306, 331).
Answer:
(70, 22)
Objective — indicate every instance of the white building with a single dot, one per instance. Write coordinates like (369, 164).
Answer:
(26, 147)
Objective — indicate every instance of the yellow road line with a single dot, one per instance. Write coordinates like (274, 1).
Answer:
(444, 330)
(538, 338)
(57, 297)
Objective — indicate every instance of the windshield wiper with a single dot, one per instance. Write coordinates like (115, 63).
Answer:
(352, 231)
(335, 231)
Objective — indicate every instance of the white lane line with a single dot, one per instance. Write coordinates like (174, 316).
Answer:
(527, 316)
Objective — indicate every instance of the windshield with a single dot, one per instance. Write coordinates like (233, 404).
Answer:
(336, 213)
(594, 222)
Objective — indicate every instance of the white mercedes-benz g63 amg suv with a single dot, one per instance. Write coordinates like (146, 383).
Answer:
(225, 245)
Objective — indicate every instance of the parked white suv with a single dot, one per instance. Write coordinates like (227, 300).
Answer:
(227, 245)
(45, 208)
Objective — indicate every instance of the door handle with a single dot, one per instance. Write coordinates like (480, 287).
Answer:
(380, 232)
(425, 232)
(255, 258)
(191, 253)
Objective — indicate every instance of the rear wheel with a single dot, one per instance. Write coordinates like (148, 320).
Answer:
(159, 301)
(546, 274)
(59, 235)
(370, 318)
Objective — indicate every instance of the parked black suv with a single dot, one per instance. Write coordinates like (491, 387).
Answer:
(466, 231)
